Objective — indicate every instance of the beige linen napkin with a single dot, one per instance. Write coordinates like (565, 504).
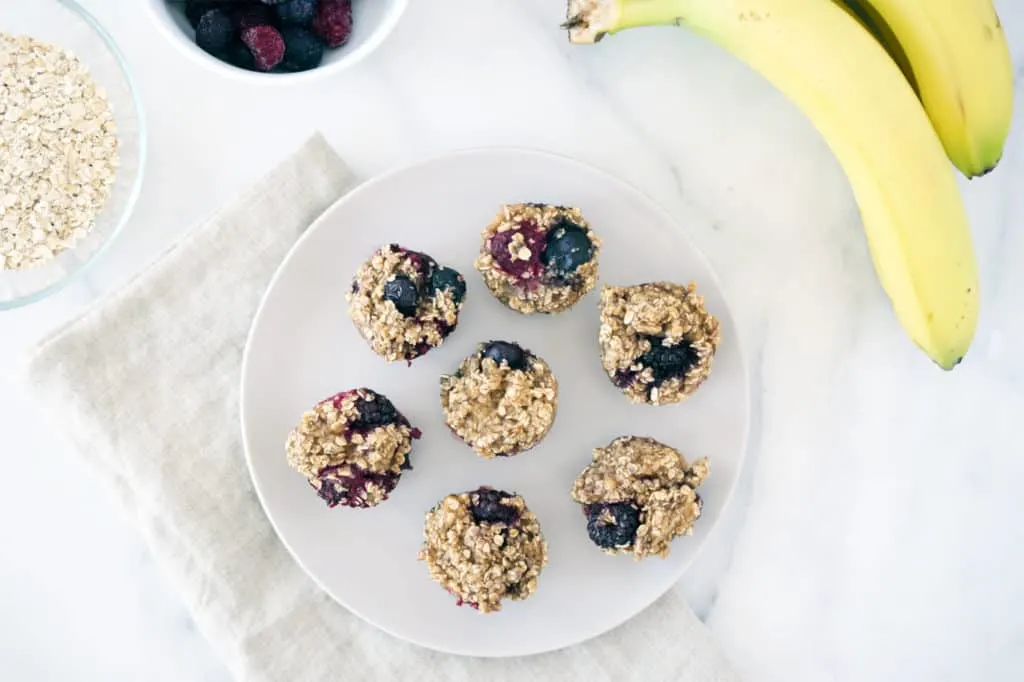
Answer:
(146, 388)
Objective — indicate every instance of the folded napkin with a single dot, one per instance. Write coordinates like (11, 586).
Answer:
(145, 385)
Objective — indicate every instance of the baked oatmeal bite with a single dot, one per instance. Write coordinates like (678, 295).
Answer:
(657, 340)
(539, 258)
(501, 401)
(403, 303)
(638, 495)
(484, 546)
(352, 448)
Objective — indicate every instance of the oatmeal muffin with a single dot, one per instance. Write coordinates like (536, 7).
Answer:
(657, 340)
(639, 494)
(403, 303)
(484, 546)
(501, 401)
(352, 448)
(538, 258)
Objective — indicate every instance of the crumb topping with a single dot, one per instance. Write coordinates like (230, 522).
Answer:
(389, 333)
(511, 259)
(635, 318)
(481, 563)
(654, 477)
(499, 411)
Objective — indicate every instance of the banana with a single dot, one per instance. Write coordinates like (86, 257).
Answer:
(954, 53)
(855, 95)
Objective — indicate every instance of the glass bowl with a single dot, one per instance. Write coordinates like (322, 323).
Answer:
(66, 24)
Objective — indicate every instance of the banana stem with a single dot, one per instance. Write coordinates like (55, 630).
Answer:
(590, 20)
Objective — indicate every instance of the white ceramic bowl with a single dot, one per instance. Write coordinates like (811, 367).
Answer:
(372, 21)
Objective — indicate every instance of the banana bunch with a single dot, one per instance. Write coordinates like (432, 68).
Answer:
(894, 87)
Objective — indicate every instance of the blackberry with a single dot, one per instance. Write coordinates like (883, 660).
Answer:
(504, 352)
(668, 362)
(195, 9)
(401, 291)
(215, 31)
(247, 16)
(447, 278)
(239, 55)
(302, 50)
(487, 507)
(567, 249)
(296, 12)
(612, 524)
(376, 412)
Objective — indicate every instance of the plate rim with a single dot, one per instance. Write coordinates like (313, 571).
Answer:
(382, 178)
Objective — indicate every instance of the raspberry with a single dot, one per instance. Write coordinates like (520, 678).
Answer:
(266, 44)
(333, 21)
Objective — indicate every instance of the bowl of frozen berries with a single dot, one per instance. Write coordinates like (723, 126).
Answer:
(277, 39)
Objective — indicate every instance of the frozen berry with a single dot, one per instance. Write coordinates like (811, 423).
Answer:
(447, 278)
(195, 9)
(333, 21)
(568, 248)
(247, 16)
(215, 31)
(272, 2)
(266, 45)
(302, 50)
(503, 352)
(401, 291)
(239, 55)
(668, 362)
(488, 507)
(612, 524)
(296, 12)
(374, 413)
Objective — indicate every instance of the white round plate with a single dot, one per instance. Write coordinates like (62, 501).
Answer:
(303, 348)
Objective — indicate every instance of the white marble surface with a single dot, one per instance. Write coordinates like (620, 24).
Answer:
(882, 536)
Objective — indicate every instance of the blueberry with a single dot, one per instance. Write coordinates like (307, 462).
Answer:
(215, 31)
(296, 12)
(239, 55)
(302, 50)
(668, 362)
(376, 412)
(504, 352)
(446, 278)
(401, 291)
(568, 248)
(195, 9)
(487, 507)
(617, 531)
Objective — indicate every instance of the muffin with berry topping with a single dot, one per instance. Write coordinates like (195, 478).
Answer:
(484, 546)
(501, 401)
(657, 340)
(352, 448)
(638, 495)
(403, 303)
(539, 258)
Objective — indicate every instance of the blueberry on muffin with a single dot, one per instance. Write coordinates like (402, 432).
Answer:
(539, 258)
(638, 495)
(403, 303)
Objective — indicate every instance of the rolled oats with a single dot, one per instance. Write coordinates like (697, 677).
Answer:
(58, 151)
